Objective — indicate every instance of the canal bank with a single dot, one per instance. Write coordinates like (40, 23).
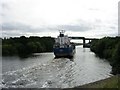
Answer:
(108, 48)
(111, 82)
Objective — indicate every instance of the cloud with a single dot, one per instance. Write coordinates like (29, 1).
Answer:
(18, 29)
(15, 29)
(5, 6)
(97, 28)
(93, 9)
(14, 26)
(44, 17)
(76, 28)
(6, 13)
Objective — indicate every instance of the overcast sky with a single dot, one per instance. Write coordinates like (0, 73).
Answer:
(89, 18)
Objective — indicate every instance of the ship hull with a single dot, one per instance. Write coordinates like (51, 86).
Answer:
(64, 52)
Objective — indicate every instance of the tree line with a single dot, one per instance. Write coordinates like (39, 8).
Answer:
(109, 49)
(24, 46)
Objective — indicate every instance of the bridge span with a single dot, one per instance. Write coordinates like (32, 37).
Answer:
(84, 40)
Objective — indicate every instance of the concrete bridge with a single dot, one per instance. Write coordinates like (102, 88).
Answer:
(84, 39)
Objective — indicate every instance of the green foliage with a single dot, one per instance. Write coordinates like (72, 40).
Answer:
(108, 48)
(116, 59)
(24, 46)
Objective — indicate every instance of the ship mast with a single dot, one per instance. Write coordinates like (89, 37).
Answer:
(62, 31)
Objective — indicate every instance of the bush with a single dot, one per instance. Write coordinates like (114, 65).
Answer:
(25, 46)
(108, 48)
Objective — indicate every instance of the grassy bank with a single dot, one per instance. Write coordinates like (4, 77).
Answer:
(112, 82)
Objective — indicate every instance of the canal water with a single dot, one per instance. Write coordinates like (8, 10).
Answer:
(42, 70)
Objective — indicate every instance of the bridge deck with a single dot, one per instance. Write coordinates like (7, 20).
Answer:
(83, 38)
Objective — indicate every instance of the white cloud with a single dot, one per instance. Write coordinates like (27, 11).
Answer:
(49, 14)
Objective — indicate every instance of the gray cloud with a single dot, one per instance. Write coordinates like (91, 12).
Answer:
(106, 34)
(11, 34)
(20, 27)
(76, 28)
(17, 29)
(113, 27)
(4, 7)
(94, 9)
(14, 26)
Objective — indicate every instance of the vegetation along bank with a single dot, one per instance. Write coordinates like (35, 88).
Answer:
(109, 49)
(24, 46)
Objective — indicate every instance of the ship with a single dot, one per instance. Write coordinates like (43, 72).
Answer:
(63, 47)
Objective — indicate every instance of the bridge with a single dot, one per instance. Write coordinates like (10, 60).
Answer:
(84, 39)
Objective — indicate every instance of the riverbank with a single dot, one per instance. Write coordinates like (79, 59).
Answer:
(108, 83)
(112, 82)
(108, 48)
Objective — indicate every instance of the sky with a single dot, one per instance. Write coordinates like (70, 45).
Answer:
(88, 18)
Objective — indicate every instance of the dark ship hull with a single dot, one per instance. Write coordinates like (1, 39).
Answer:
(64, 52)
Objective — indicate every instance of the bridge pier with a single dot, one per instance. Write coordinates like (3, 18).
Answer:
(83, 42)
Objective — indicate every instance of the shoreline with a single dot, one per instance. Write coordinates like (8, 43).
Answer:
(111, 82)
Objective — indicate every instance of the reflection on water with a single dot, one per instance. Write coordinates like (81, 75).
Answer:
(45, 71)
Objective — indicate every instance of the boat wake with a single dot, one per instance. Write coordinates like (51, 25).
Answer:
(57, 73)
